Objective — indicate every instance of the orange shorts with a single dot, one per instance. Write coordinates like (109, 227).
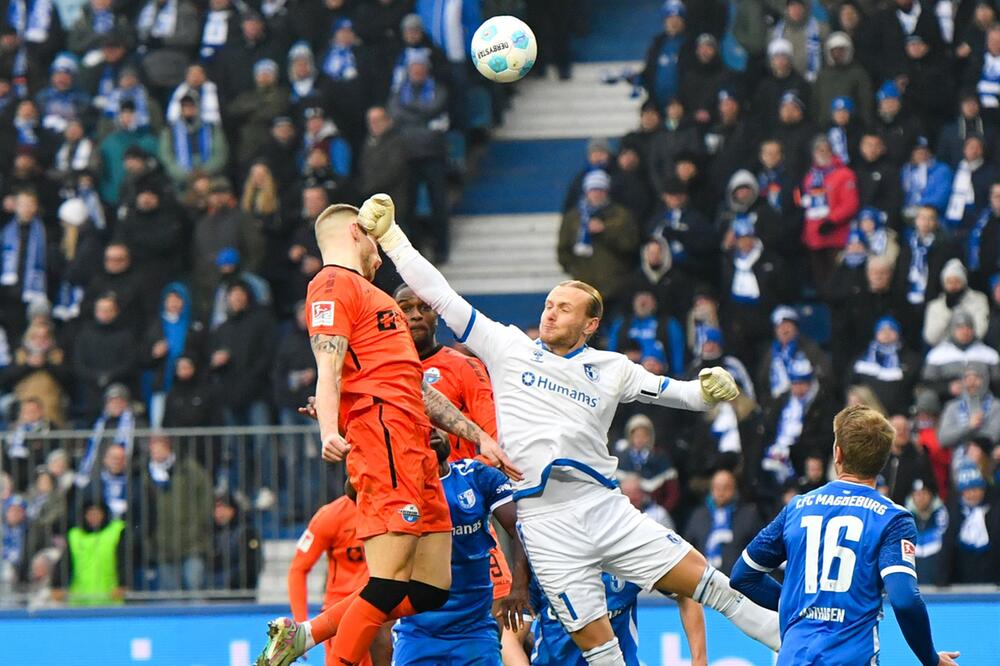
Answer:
(500, 573)
(394, 470)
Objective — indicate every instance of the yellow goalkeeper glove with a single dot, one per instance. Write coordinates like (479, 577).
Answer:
(717, 385)
(377, 216)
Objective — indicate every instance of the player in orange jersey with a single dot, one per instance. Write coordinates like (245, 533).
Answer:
(331, 531)
(373, 406)
(463, 380)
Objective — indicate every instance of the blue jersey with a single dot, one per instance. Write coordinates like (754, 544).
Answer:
(554, 647)
(473, 491)
(839, 541)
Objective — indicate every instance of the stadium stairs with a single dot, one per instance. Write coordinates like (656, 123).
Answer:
(505, 226)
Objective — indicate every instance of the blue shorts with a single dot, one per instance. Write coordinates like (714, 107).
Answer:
(410, 650)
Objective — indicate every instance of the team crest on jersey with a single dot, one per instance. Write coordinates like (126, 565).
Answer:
(909, 551)
(410, 513)
(674, 539)
(322, 313)
(617, 584)
(528, 378)
(432, 375)
(467, 499)
(593, 374)
(536, 355)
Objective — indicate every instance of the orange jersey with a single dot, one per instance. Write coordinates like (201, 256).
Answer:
(330, 531)
(464, 381)
(381, 359)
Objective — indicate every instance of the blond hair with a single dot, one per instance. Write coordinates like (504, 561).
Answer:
(595, 308)
(260, 200)
(865, 437)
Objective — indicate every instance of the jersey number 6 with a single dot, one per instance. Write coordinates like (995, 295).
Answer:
(832, 551)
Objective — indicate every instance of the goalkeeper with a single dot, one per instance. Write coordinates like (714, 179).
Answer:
(555, 398)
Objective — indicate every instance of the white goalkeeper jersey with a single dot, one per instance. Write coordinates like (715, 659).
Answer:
(553, 412)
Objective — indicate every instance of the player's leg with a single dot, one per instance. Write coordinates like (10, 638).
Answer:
(694, 577)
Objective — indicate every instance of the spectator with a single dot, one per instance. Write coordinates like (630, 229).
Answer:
(678, 137)
(879, 239)
(24, 263)
(668, 55)
(57, 464)
(992, 338)
(794, 133)
(842, 77)
(829, 197)
(230, 272)
(112, 481)
(690, 235)
(926, 182)
(724, 525)
(744, 200)
(14, 555)
(638, 453)
(118, 278)
(814, 476)
(322, 134)
(281, 152)
(887, 367)
(982, 74)
(894, 24)
(294, 373)
(928, 76)
(843, 130)
(907, 461)
(796, 427)
(983, 248)
(900, 129)
(650, 127)
(923, 257)
(971, 185)
(190, 402)
(972, 541)
(774, 371)
(127, 88)
(225, 226)
(92, 572)
(97, 21)
(306, 82)
(781, 79)
(631, 186)
(631, 487)
(702, 79)
(39, 372)
(179, 495)
(946, 362)
(237, 557)
(168, 31)
(74, 155)
(153, 234)
(955, 295)
(173, 335)
(419, 109)
(27, 133)
(879, 185)
(972, 39)
(253, 110)
(47, 511)
(806, 35)
(61, 102)
(931, 517)
(220, 29)
(204, 94)
(774, 181)
(190, 142)
(648, 327)
(711, 353)
(973, 413)
(39, 34)
(346, 68)
(379, 171)
(236, 68)
(731, 142)
(598, 239)
(127, 133)
(951, 142)
(104, 353)
(24, 445)
(752, 288)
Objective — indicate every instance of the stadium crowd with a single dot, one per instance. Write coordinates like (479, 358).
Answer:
(809, 199)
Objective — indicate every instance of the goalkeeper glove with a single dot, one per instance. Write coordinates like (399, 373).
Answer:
(378, 217)
(717, 385)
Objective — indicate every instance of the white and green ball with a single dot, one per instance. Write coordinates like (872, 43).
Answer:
(504, 49)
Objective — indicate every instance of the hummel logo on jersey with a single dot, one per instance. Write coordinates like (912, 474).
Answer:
(537, 355)
(593, 374)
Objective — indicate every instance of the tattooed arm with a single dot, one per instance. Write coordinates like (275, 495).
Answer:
(446, 416)
(329, 351)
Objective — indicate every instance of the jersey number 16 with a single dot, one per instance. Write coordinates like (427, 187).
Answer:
(832, 551)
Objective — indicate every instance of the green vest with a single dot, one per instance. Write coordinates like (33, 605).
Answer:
(95, 564)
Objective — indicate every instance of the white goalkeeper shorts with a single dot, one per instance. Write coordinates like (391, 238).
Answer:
(571, 545)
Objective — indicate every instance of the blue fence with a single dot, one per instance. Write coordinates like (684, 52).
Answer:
(232, 635)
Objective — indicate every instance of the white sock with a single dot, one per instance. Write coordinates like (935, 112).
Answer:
(756, 622)
(608, 654)
(307, 627)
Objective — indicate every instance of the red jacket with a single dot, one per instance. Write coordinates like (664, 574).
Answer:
(840, 190)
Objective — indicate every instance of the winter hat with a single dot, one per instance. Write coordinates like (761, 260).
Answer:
(968, 476)
(954, 268)
(596, 180)
(227, 256)
(890, 322)
(784, 313)
(673, 8)
(779, 46)
(842, 103)
(801, 370)
(889, 90)
(265, 65)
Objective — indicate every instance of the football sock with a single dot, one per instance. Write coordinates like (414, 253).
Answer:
(756, 622)
(609, 654)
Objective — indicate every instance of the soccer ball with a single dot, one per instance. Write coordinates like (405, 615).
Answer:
(504, 49)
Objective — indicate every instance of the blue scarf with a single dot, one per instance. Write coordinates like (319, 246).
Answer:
(781, 362)
(644, 330)
(673, 219)
(973, 259)
(814, 49)
(916, 276)
(68, 301)
(769, 184)
(19, 72)
(33, 286)
(14, 538)
(721, 532)
(584, 246)
(931, 537)
(408, 94)
(31, 22)
(103, 21)
(777, 458)
(184, 151)
(881, 362)
(16, 447)
(838, 143)
(27, 132)
(965, 412)
(668, 77)
(340, 64)
(123, 437)
(399, 70)
(159, 472)
(115, 493)
(973, 534)
(138, 96)
(914, 183)
(95, 210)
